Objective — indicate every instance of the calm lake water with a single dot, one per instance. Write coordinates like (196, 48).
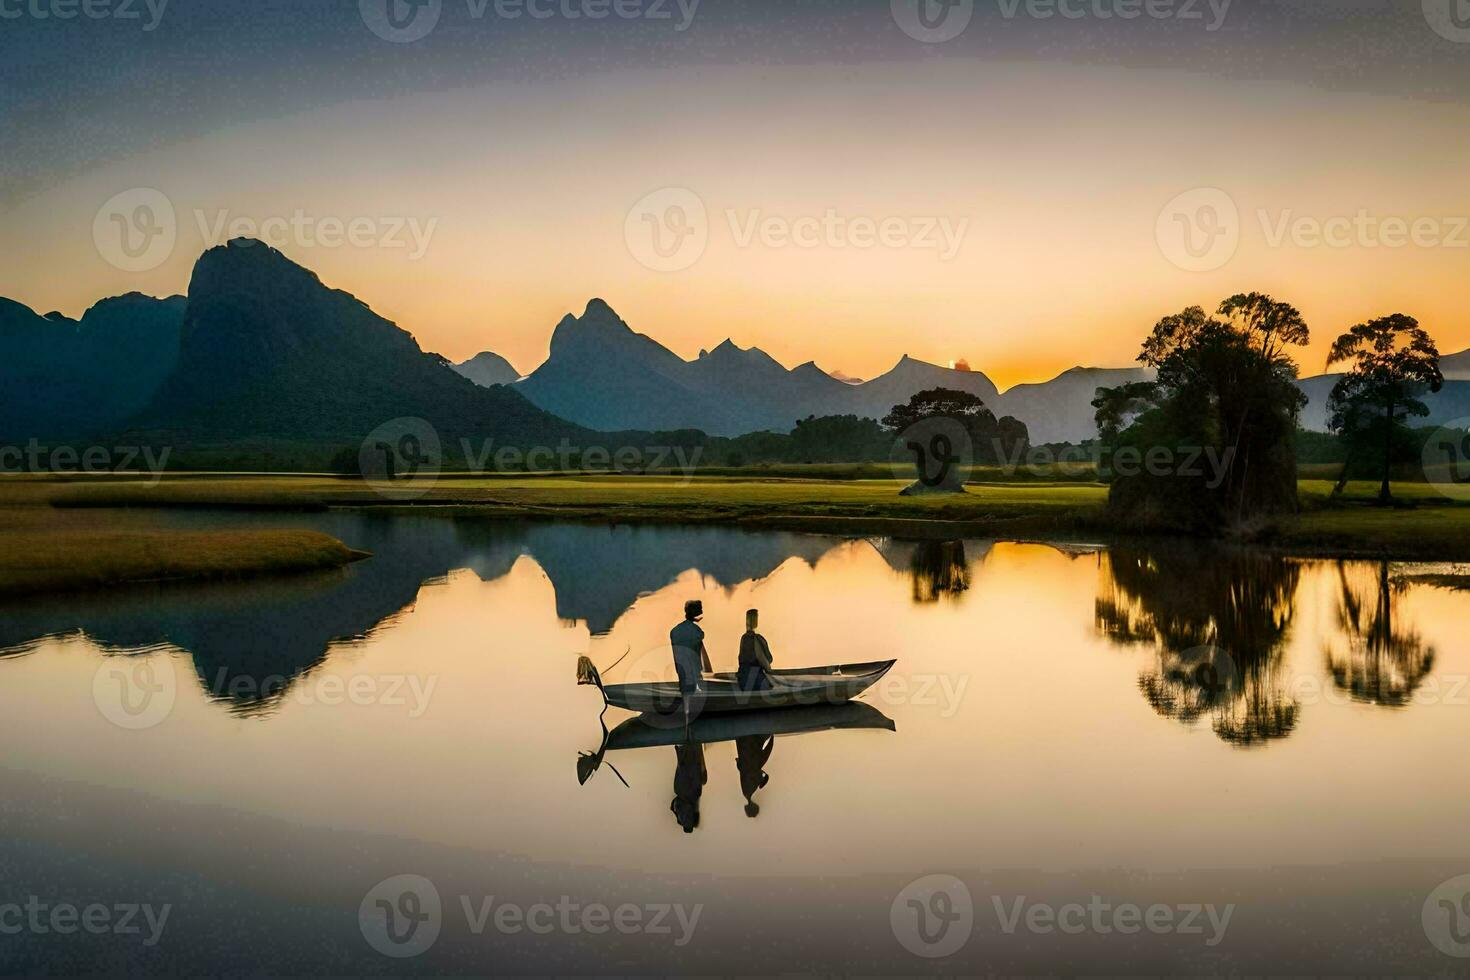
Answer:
(1262, 758)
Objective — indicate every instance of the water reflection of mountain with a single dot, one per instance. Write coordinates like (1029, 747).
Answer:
(1218, 620)
(600, 571)
(937, 569)
(250, 640)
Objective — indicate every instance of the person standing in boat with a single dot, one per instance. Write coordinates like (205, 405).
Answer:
(691, 659)
(755, 656)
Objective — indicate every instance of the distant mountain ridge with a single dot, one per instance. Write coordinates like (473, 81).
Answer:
(1450, 404)
(261, 349)
(488, 369)
(268, 352)
(66, 378)
(604, 375)
(1060, 410)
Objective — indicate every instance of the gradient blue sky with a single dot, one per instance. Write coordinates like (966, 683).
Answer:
(1057, 142)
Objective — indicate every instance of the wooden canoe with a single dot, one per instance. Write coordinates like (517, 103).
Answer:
(836, 684)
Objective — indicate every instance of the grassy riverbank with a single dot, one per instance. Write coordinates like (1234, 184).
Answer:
(101, 532)
(43, 549)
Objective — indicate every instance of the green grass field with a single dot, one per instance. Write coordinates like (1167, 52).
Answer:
(81, 532)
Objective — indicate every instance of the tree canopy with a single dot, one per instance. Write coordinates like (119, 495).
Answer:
(1225, 389)
(1394, 363)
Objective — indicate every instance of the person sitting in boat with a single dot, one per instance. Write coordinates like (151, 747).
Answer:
(691, 659)
(755, 656)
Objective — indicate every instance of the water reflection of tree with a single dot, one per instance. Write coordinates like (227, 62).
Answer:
(1378, 659)
(1218, 620)
(939, 570)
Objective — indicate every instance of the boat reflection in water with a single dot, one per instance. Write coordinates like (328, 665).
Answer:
(753, 732)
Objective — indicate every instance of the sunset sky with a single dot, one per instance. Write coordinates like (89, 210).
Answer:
(1063, 157)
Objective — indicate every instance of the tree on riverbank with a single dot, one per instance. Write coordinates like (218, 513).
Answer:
(1394, 363)
(1226, 391)
(992, 440)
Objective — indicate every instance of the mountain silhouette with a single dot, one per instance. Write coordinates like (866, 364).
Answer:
(268, 352)
(604, 375)
(488, 369)
(1450, 404)
(1060, 410)
(1455, 367)
(74, 378)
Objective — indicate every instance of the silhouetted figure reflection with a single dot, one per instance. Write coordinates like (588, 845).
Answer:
(752, 752)
(755, 656)
(690, 775)
(753, 732)
(939, 570)
(1218, 619)
(1384, 662)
